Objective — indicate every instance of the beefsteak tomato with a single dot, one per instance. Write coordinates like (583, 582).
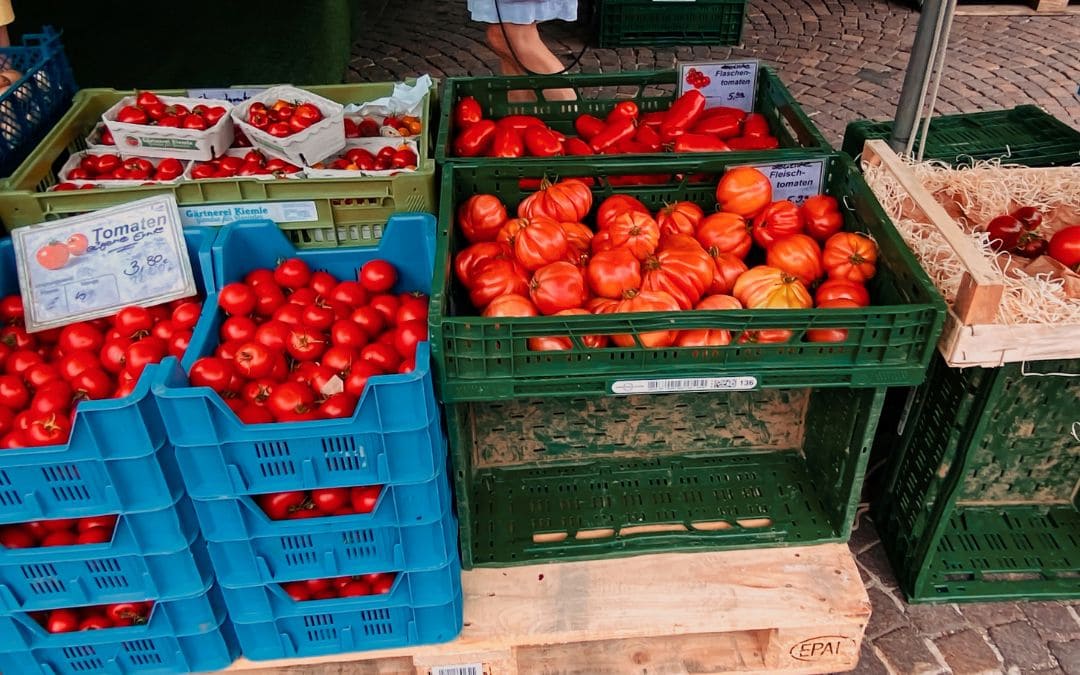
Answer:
(725, 233)
(637, 231)
(646, 301)
(798, 255)
(557, 287)
(568, 200)
(743, 190)
(481, 217)
(765, 287)
(679, 218)
(850, 256)
(777, 220)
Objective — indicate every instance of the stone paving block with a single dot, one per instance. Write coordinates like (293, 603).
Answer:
(876, 562)
(1052, 620)
(885, 616)
(1021, 646)
(1067, 655)
(869, 663)
(904, 651)
(988, 614)
(933, 620)
(967, 653)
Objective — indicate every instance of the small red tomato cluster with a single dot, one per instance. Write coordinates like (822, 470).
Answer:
(319, 503)
(283, 118)
(697, 79)
(369, 127)
(58, 532)
(97, 617)
(300, 345)
(46, 374)
(112, 167)
(149, 109)
(253, 163)
(386, 159)
(340, 587)
(684, 127)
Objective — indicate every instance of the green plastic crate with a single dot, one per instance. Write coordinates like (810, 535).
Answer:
(480, 359)
(544, 480)
(350, 211)
(648, 23)
(599, 92)
(981, 499)
(1024, 135)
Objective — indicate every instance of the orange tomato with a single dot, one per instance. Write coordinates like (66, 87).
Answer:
(679, 218)
(707, 337)
(798, 255)
(743, 190)
(765, 287)
(637, 231)
(850, 256)
(647, 301)
(725, 233)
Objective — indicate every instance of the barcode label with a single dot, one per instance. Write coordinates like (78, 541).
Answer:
(740, 383)
(467, 669)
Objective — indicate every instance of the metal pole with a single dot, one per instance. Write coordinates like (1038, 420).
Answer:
(916, 77)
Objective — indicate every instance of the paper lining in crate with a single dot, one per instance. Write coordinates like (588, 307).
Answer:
(312, 145)
(75, 158)
(372, 144)
(145, 140)
(998, 312)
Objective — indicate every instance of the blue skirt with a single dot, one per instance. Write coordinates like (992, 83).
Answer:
(523, 11)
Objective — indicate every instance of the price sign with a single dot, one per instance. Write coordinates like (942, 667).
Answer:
(794, 181)
(233, 95)
(93, 265)
(727, 83)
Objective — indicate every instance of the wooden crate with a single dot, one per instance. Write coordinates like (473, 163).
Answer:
(1025, 8)
(789, 610)
(972, 336)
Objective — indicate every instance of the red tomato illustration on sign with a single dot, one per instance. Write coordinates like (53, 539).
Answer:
(77, 243)
(53, 256)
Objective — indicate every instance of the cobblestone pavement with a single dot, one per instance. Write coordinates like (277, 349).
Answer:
(842, 61)
(963, 639)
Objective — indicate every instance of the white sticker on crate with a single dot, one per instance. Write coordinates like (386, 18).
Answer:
(727, 83)
(233, 95)
(94, 264)
(666, 386)
(464, 669)
(794, 181)
(216, 215)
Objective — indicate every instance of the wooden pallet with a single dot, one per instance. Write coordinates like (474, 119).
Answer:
(971, 335)
(786, 610)
(1039, 7)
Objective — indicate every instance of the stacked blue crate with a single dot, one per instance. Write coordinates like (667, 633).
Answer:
(118, 461)
(394, 440)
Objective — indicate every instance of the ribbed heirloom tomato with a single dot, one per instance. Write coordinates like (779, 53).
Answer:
(469, 260)
(727, 268)
(537, 241)
(557, 287)
(798, 255)
(776, 221)
(837, 289)
(510, 305)
(725, 233)
(614, 206)
(646, 301)
(706, 337)
(681, 268)
(765, 287)
(744, 191)
(821, 217)
(568, 200)
(497, 277)
(563, 343)
(850, 256)
(613, 272)
(481, 217)
(831, 334)
(636, 231)
(679, 218)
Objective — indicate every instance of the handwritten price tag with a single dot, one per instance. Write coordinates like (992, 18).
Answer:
(233, 95)
(93, 265)
(728, 83)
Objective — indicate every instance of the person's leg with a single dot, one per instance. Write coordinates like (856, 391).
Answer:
(535, 56)
(507, 64)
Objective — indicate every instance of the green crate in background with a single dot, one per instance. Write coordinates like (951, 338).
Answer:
(1024, 135)
(599, 92)
(981, 500)
(477, 359)
(542, 480)
(647, 23)
(351, 211)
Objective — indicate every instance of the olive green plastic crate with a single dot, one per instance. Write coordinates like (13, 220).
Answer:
(633, 23)
(350, 211)
(981, 499)
(1025, 135)
(598, 92)
(477, 359)
(544, 480)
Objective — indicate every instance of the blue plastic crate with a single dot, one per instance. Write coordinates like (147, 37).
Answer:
(334, 549)
(239, 518)
(110, 464)
(156, 554)
(350, 624)
(266, 602)
(189, 615)
(153, 648)
(395, 435)
(33, 104)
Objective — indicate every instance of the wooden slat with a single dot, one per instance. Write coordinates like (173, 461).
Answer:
(981, 289)
(791, 610)
(992, 345)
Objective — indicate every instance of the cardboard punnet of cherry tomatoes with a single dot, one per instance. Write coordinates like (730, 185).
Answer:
(292, 124)
(105, 168)
(149, 125)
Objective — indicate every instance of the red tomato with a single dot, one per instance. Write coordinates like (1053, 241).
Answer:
(273, 335)
(290, 314)
(13, 393)
(80, 336)
(350, 293)
(16, 536)
(377, 276)
(637, 231)
(280, 505)
(253, 414)
(836, 289)
(253, 360)
(776, 221)
(61, 538)
(481, 217)
(179, 343)
(682, 269)
(1065, 247)
(496, 277)
(338, 406)
(289, 400)
(345, 333)
(143, 353)
(821, 216)
(329, 500)
(237, 299)
(557, 287)
(11, 308)
(379, 583)
(357, 377)
(297, 590)
(94, 535)
(62, 621)
(382, 356)
(305, 344)
(93, 384)
(409, 333)
(292, 273)
(798, 255)
(387, 305)
(133, 322)
(353, 589)
(339, 359)
(7, 420)
(238, 328)
(365, 498)
(106, 521)
(414, 307)
(136, 612)
(850, 256)
(317, 316)
(54, 397)
(322, 282)
(212, 372)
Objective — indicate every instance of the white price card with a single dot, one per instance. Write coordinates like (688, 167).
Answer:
(667, 386)
(794, 181)
(215, 215)
(727, 83)
(233, 95)
(95, 264)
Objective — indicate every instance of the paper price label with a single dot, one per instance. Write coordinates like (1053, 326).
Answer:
(667, 386)
(93, 265)
(217, 215)
(727, 83)
(794, 181)
(233, 95)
